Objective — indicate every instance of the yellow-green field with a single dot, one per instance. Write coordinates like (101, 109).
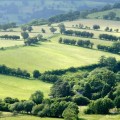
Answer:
(49, 56)
(21, 88)
(9, 43)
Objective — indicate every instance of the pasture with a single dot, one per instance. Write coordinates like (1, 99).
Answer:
(49, 56)
(21, 88)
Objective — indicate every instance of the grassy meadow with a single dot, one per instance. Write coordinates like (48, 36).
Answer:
(49, 56)
(21, 88)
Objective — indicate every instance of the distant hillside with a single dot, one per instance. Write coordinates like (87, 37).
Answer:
(22, 11)
(100, 15)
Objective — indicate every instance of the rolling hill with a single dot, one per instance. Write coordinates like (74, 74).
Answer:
(99, 15)
(23, 11)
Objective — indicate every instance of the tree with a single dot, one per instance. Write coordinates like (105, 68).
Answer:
(52, 29)
(61, 89)
(101, 106)
(117, 101)
(37, 97)
(10, 100)
(24, 28)
(60, 40)
(96, 27)
(111, 15)
(30, 41)
(29, 28)
(39, 37)
(107, 29)
(87, 91)
(37, 108)
(43, 30)
(25, 35)
(18, 106)
(69, 114)
(62, 28)
(81, 100)
(36, 74)
(28, 105)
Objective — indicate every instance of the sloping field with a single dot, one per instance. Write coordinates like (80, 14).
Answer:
(21, 88)
(49, 56)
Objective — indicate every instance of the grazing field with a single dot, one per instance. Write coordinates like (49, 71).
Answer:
(49, 56)
(21, 88)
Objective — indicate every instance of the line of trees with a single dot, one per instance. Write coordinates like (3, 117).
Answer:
(115, 48)
(13, 37)
(38, 106)
(14, 72)
(7, 26)
(29, 41)
(26, 28)
(108, 37)
(79, 33)
(81, 43)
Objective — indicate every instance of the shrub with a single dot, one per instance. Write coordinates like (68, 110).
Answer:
(81, 100)
(117, 102)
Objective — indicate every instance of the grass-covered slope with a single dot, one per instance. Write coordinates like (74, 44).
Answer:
(21, 88)
(49, 56)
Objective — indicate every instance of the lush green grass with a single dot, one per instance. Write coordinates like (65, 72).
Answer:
(50, 55)
(21, 88)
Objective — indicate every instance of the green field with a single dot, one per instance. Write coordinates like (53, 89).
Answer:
(49, 56)
(21, 88)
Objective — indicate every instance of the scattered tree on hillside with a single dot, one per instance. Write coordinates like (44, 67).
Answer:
(37, 97)
(36, 74)
(43, 30)
(25, 35)
(24, 28)
(52, 29)
(96, 27)
(62, 28)
(39, 37)
(29, 28)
